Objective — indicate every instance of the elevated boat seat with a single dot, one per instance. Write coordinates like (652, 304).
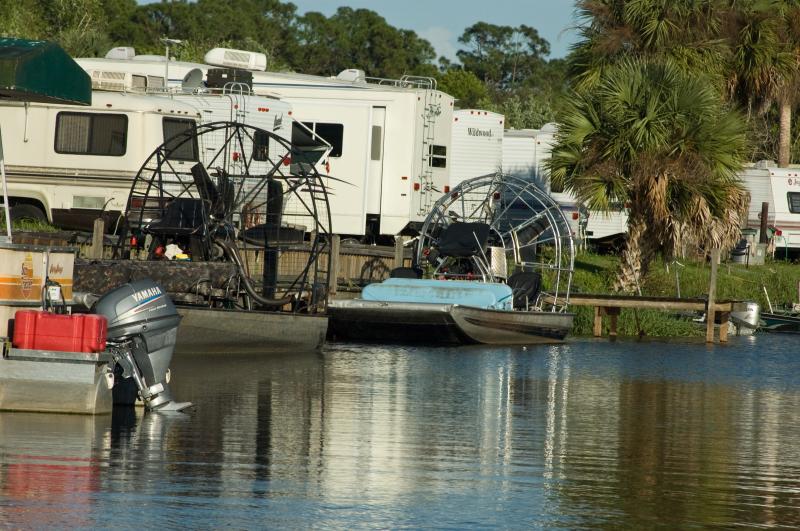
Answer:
(462, 240)
(219, 196)
(525, 286)
(183, 217)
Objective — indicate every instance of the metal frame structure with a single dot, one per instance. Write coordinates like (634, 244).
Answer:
(244, 163)
(526, 225)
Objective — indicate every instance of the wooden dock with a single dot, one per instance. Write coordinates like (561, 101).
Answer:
(611, 305)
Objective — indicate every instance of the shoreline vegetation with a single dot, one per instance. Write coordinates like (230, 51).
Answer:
(595, 273)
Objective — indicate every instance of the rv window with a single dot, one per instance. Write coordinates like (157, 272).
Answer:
(377, 142)
(176, 130)
(333, 134)
(91, 134)
(260, 146)
(794, 202)
(437, 156)
(306, 148)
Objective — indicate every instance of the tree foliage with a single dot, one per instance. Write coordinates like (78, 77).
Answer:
(502, 56)
(469, 91)
(312, 43)
(502, 68)
(360, 38)
(660, 139)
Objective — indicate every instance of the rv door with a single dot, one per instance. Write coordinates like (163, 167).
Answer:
(374, 184)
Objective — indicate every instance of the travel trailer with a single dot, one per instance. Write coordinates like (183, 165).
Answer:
(390, 142)
(70, 165)
(477, 144)
(525, 152)
(780, 188)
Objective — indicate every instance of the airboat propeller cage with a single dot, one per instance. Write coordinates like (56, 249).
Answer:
(506, 227)
(246, 187)
(142, 313)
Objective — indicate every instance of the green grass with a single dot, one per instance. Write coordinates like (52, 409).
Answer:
(29, 225)
(596, 273)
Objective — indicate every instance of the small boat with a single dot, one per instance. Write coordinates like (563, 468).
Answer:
(220, 330)
(206, 328)
(443, 312)
(786, 322)
(465, 245)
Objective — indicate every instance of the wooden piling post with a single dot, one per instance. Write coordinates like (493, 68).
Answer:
(97, 239)
(613, 315)
(336, 244)
(711, 306)
(598, 322)
(399, 251)
(724, 324)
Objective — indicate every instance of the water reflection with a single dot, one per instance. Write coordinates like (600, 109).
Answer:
(586, 434)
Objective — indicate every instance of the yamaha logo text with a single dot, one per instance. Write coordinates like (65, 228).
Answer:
(145, 294)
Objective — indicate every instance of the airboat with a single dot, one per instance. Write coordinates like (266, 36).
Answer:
(232, 221)
(493, 264)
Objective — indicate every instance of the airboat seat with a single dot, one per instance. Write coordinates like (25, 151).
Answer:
(462, 240)
(405, 272)
(220, 196)
(183, 217)
(525, 285)
(227, 196)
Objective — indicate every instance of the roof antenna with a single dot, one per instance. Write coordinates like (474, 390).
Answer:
(167, 43)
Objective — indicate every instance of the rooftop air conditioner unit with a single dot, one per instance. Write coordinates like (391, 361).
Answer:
(353, 75)
(155, 83)
(121, 52)
(236, 59)
(124, 81)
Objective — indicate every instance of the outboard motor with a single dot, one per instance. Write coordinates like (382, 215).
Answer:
(749, 317)
(142, 329)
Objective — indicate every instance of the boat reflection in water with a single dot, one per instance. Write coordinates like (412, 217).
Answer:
(585, 434)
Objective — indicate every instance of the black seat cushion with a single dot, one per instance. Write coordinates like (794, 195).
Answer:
(462, 240)
(183, 216)
(406, 272)
(525, 286)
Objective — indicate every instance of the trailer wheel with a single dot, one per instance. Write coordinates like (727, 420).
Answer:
(27, 212)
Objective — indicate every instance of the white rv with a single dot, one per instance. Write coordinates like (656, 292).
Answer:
(71, 164)
(477, 144)
(390, 139)
(525, 153)
(780, 188)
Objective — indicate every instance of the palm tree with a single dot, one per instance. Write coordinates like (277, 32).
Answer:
(751, 48)
(686, 31)
(789, 15)
(660, 140)
(763, 63)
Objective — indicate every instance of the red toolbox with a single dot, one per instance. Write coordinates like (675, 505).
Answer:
(39, 330)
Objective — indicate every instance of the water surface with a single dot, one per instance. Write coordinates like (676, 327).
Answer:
(586, 434)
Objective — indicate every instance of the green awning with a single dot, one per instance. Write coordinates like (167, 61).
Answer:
(41, 71)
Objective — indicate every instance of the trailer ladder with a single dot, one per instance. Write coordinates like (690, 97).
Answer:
(5, 206)
(430, 113)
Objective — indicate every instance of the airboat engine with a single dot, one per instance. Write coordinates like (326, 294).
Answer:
(142, 330)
